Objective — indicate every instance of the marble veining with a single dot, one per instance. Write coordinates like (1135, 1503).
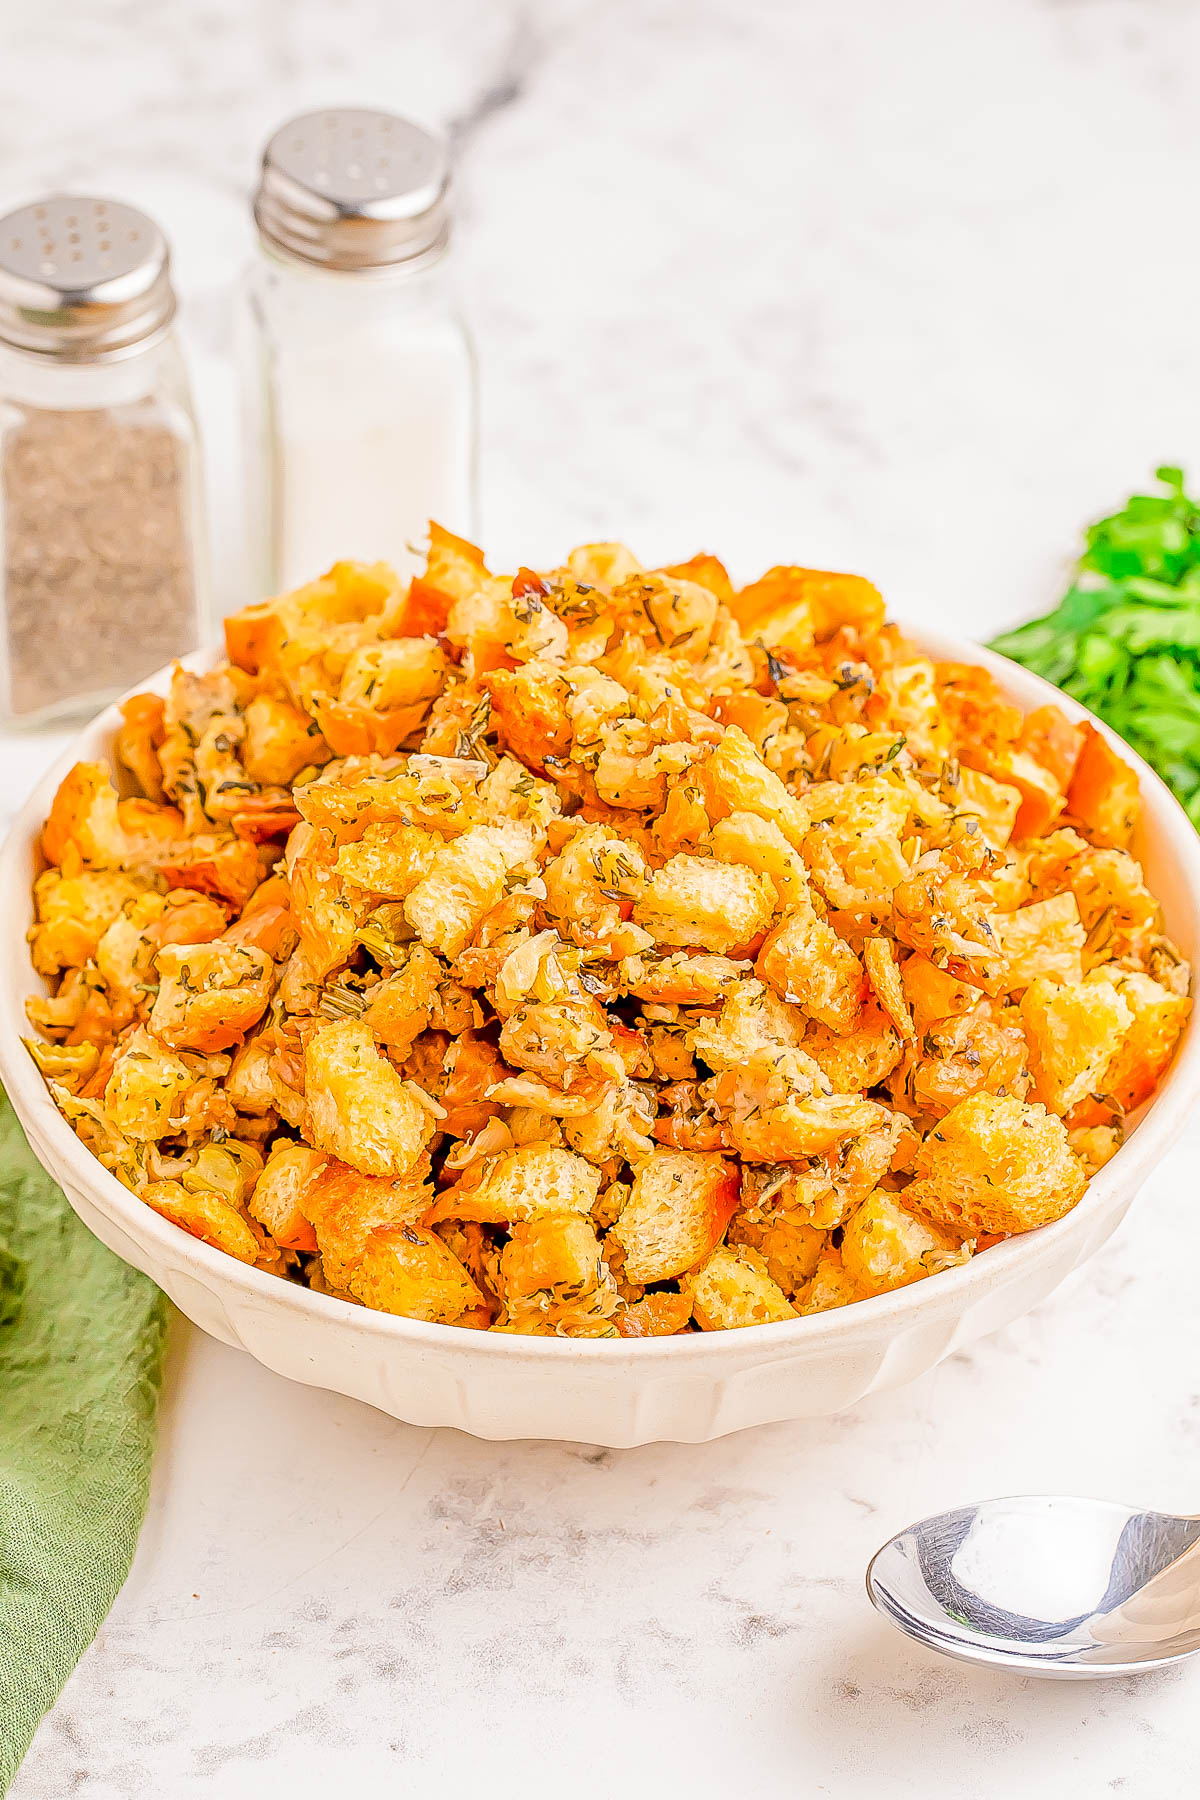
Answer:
(905, 289)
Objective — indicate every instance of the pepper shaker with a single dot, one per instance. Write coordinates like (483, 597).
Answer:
(100, 505)
(358, 373)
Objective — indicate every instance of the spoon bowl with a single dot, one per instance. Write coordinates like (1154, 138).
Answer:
(1045, 1585)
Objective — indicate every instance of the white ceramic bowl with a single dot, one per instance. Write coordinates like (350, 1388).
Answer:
(615, 1392)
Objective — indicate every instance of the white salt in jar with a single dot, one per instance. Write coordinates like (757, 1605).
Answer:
(358, 372)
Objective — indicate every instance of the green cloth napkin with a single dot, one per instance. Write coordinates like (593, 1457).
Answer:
(81, 1339)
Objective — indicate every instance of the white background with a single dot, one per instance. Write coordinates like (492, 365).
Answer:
(904, 288)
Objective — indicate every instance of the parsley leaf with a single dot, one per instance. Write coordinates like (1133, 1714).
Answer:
(1125, 637)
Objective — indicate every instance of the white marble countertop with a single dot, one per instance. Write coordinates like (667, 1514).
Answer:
(905, 289)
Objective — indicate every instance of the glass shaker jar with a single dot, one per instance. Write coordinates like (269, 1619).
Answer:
(100, 510)
(358, 372)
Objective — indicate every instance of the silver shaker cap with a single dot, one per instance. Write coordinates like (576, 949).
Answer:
(348, 188)
(82, 279)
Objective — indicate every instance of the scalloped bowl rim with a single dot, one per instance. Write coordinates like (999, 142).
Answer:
(1161, 1122)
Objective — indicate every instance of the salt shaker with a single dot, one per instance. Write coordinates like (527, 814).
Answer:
(358, 371)
(100, 506)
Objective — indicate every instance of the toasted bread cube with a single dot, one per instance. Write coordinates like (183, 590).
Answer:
(359, 1109)
(994, 803)
(796, 1128)
(857, 863)
(853, 751)
(985, 1048)
(190, 918)
(1052, 740)
(1104, 794)
(694, 901)
(735, 779)
(206, 1216)
(1095, 1145)
(753, 1016)
(660, 1314)
(139, 740)
(884, 1246)
(860, 1059)
(398, 672)
(790, 1246)
(681, 1202)
(761, 719)
(1045, 938)
(976, 709)
(511, 793)
(615, 1125)
(683, 823)
(592, 873)
(1110, 881)
(995, 1164)
(1074, 1033)
(466, 879)
(229, 868)
(1158, 1017)
(327, 922)
(530, 630)
(84, 821)
(683, 612)
(808, 964)
(775, 611)
(683, 980)
(408, 1270)
(280, 741)
(281, 632)
(279, 1198)
(375, 1245)
(1040, 795)
(74, 912)
(552, 1037)
(75, 1006)
(934, 995)
(345, 1207)
(518, 1185)
(454, 571)
(551, 1261)
(476, 622)
(125, 953)
(733, 1289)
(209, 994)
(145, 1088)
(530, 712)
(811, 602)
(759, 844)
(389, 860)
(603, 565)
(400, 1007)
(708, 571)
(1047, 865)
(831, 1285)
(362, 790)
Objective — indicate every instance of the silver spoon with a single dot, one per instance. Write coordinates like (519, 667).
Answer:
(1043, 1585)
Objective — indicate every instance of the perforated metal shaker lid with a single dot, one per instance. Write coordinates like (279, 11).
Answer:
(348, 188)
(82, 279)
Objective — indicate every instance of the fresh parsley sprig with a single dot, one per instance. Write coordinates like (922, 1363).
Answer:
(1125, 638)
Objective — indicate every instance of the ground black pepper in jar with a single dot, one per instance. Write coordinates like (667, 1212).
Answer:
(99, 478)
